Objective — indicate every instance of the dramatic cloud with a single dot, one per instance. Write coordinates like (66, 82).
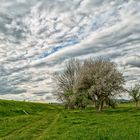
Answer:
(38, 36)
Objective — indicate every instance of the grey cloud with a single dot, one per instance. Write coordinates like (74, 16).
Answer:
(37, 37)
(12, 91)
(133, 61)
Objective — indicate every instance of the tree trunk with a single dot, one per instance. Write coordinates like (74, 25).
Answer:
(100, 106)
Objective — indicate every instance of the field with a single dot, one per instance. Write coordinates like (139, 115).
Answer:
(36, 121)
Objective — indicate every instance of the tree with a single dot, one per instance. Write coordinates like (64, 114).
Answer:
(65, 81)
(135, 94)
(96, 80)
(100, 79)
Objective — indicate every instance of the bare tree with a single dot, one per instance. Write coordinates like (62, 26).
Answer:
(101, 79)
(135, 94)
(66, 80)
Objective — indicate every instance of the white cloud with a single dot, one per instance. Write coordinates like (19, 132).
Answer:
(36, 37)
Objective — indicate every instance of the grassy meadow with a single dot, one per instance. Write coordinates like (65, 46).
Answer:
(36, 121)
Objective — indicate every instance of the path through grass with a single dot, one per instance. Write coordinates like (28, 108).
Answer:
(52, 122)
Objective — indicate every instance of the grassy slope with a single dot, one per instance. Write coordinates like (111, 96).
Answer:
(52, 122)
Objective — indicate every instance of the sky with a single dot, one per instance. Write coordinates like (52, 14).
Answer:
(37, 37)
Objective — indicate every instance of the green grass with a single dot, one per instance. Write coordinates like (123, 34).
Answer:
(52, 122)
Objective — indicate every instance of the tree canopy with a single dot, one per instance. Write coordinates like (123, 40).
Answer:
(91, 80)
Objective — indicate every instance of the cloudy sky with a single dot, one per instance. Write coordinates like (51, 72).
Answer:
(38, 36)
